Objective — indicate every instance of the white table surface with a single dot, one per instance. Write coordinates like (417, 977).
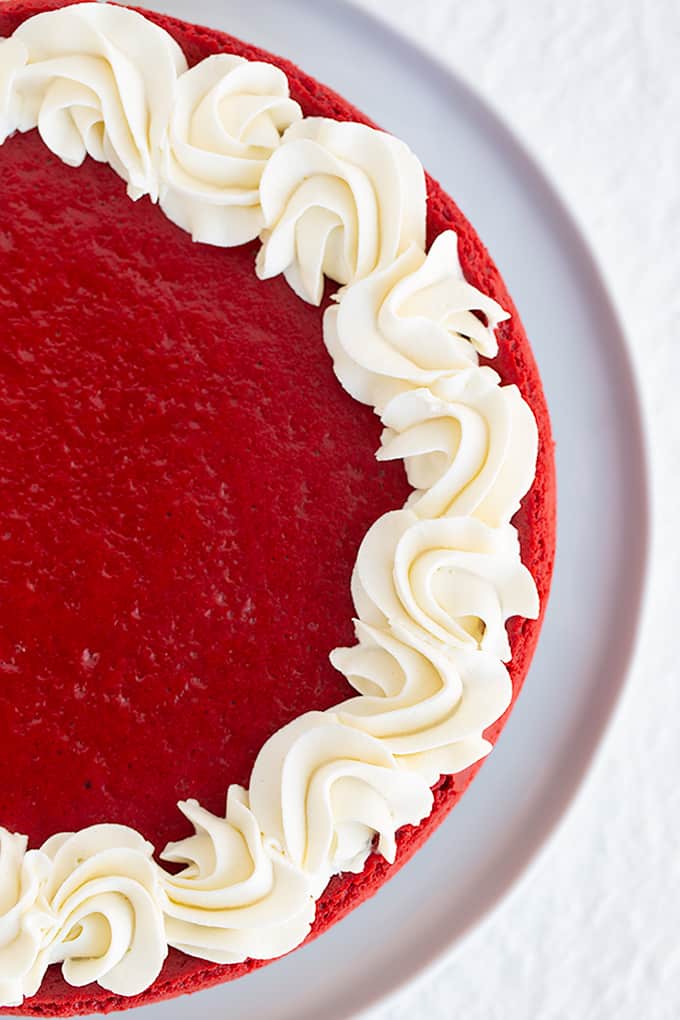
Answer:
(592, 88)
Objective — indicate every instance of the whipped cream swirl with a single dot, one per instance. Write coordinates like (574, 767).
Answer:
(99, 80)
(452, 582)
(410, 324)
(25, 919)
(339, 199)
(104, 896)
(228, 118)
(89, 900)
(469, 449)
(13, 57)
(235, 898)
(428, 707)
(322, 791)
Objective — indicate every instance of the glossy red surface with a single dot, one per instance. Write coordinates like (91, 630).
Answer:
(184, 489)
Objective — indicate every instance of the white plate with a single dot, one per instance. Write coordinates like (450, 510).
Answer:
(577, 675)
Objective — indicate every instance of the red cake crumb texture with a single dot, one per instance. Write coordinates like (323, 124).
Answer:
(185, 487)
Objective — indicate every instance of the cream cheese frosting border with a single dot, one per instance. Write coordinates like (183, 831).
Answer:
(229, 157)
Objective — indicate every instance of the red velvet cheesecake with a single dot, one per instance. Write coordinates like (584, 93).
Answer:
(185, 488)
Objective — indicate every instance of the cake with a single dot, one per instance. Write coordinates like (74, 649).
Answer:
(199, 363)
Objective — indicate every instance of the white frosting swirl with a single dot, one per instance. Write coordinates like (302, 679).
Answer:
(339, 199)
(469, 449)
(410, 324)
(13, 57)
(25, 919)
(453, 582)
(428, 708)
(321, 791)
(89, 900)
(100, 80)
(104, 895)
(235, 898)
(228, 118)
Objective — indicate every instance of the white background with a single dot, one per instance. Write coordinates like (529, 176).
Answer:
(593, 90)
